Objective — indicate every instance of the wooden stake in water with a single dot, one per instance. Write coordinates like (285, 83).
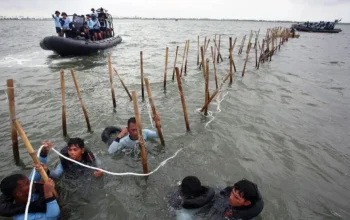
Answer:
(81, 101)
(203, 64)
(206, 86)
(183, 58)
(141, 67)
(198, 52)
(188, 48)
(150, 98)
(139, 131)
(177, 50)
(213, 58)
(256, 52)
(245, 63)
(166, 67)
(111, 81)
(182, 97)
(218, 48)
(12, 109)
(124, 86)
(214, 94)
(63, 103)
(234, 43)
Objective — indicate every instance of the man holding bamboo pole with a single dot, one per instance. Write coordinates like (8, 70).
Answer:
(130, 141)
(43, 204)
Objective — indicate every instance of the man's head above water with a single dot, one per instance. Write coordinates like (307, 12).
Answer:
(244, 193)
(76, 148)
(132, 128)
(16, 186)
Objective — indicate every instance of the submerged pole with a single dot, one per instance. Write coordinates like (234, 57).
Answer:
(12, 109)
(184, 108)
(63, 103)
(111, 81)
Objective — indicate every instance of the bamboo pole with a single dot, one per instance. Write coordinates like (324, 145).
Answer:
(206, 86)
(63, 103)
(206, 47)
(81, 101)
(29, 148)
(219, 54)
(166, 67)
(177, 49)
(250, 39)
(203, 64)
(198, 52)
(213, 58)
(141, 67)
(111, 81)
(150, 98)
(12, 109)
(234, 43)
(182, 98)
(245, 63)
(188, 48)
(256, 52)
(139, 131)
(216, 92)
(183, 58)
(231, 64)
(122, 82)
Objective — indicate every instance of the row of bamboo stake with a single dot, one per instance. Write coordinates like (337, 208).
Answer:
(202, 63)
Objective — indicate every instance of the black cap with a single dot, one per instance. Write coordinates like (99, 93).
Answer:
(64, 13)
(57, 12)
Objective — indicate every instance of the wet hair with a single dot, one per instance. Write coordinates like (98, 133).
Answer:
(9, 184)
(131, 120)
(191, 186)
(76, 141)
(248, 190)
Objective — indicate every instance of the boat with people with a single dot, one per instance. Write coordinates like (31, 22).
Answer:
(319, 27)
(83, 35)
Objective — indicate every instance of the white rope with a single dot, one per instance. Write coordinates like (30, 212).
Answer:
(119, 174)
(30, 189)
(93, 168)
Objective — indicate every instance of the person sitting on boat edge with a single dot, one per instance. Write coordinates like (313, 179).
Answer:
(103, 24)
(16, 187)
(75, 150)
(242, 201)
(57, 23)
(190, 197)
(129, 141)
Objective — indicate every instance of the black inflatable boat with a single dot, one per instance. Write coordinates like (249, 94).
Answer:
(68, 46)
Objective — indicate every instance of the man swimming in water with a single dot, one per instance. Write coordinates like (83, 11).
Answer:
(129, 141)
(75, 150)
(241, 201)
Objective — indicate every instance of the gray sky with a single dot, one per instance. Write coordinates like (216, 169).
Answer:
(300, 10)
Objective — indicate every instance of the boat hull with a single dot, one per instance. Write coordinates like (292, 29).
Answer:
(68, 46)
(304, 29)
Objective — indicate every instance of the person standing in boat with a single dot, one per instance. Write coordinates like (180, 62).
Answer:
(90, 26)
(96, 25)
(103, 23)
(130, 141)
(65, 25)
(56, 17)
(94, 13)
